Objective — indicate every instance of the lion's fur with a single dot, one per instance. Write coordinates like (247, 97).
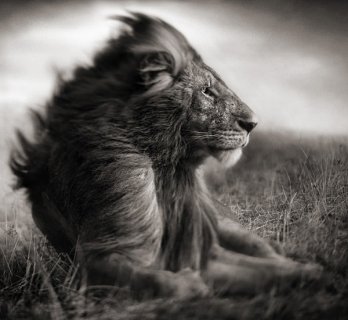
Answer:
(115, 170)
(113, 173)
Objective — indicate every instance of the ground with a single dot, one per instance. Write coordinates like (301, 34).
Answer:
(292, 191)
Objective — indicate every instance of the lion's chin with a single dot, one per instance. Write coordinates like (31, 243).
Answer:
(228, 158)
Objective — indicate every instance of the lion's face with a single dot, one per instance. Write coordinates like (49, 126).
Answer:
(217, 121)
(182, 96)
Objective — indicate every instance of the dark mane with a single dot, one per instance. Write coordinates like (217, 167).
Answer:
(109, 146)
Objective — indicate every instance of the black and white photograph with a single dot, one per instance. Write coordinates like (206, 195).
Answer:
(173, 160)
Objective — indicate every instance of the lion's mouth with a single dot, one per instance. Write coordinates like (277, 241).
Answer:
(227, 140)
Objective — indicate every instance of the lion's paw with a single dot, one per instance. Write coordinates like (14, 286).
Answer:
(312, 271)
(185, 284)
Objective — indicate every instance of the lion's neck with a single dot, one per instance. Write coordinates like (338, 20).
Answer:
(188, 218)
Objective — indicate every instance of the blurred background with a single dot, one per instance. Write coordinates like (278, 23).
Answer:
(286, 59)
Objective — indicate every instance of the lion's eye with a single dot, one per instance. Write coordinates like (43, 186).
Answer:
(208, 92)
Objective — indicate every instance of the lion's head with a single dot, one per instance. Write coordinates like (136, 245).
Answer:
(179, 98)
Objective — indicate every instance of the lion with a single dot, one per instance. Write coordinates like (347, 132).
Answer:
(114, 174)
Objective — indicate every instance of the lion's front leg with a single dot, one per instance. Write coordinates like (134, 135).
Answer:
(114, 269)
(230, 272)
(233, 237)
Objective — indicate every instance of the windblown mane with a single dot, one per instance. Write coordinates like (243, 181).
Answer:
(109, 146)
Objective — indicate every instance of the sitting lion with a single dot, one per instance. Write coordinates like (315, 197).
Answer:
(114, 178)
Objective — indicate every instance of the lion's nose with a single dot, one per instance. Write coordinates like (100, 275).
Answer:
(248, 124)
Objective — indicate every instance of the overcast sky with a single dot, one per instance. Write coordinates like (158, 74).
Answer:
(288, 63)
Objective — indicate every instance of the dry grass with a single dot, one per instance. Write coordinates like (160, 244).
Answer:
(295, 193)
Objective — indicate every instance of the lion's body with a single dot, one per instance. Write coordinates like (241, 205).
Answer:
(114, 171)
(87, 163)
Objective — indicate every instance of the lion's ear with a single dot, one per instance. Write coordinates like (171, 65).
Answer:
(156, 69)
(162, 50)
(165, 45)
